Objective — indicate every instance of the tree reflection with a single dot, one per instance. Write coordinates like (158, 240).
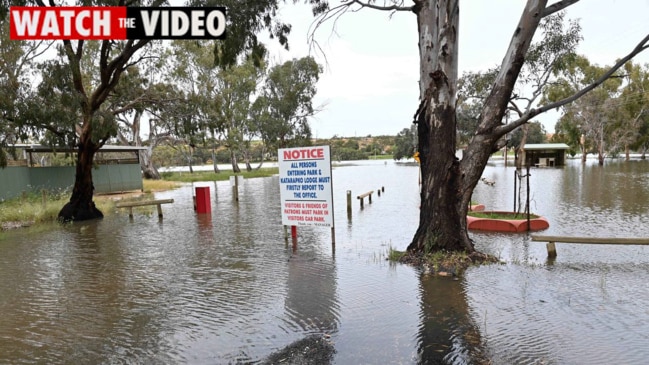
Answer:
(447, 335)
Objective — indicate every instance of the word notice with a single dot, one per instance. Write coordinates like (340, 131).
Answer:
(305, 186)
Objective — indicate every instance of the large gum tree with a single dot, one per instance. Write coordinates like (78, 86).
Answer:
(447, 182)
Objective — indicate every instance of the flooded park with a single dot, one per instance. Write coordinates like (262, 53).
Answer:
(228, 287)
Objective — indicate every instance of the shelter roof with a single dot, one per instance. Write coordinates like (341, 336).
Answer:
(546, 146)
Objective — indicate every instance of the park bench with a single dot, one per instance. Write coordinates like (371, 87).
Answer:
(365, 195)
(130, 205)
(552, 250)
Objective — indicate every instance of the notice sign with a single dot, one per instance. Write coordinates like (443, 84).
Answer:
(305, 186)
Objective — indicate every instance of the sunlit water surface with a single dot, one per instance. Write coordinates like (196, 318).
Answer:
(227, 287)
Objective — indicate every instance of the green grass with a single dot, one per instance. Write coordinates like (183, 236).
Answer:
(395, 255)
(381, 157)
(29, 208)
(222, 176)
(159, 185)
(501, 215)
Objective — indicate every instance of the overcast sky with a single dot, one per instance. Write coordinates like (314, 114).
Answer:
(369, 85)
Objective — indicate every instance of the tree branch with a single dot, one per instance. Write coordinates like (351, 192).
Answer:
(393, 7)
(643, 45)
(557, 7)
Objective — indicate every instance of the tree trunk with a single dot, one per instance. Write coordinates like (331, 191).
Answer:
(235, 163)
(442, 216)
(149, 171)
(600, 150)
(214, 163)
(262, 157)
(448, 183)
(81, 206)
(246, 157)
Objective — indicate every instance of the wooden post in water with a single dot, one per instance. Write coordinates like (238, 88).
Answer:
(552, 249)
(349, 204)
(235, 188)
(527, 208)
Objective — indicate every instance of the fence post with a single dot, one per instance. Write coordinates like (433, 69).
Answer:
(349, 203)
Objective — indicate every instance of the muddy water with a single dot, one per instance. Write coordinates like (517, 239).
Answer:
(228, 288)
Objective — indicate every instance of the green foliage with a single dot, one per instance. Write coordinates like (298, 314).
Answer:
(405, 143)
(285, 104)
(16, 61)
(535, 134)
(347, 154)
(610, 117)
(246, 19)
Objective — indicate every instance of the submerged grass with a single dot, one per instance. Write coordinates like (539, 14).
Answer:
(500, 215)
(442, 263)
(221, 176)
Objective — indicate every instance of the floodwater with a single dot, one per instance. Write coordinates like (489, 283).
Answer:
(227, 287)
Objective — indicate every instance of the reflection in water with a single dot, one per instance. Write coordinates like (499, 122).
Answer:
(446, 333)
(311, 300)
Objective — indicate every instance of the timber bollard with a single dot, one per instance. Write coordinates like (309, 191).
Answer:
(234, 181)
(349, 203)
(365, 195)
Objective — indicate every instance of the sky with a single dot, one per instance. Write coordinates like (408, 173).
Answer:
(369, 85)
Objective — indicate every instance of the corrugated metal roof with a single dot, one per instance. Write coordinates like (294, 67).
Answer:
(546, 146)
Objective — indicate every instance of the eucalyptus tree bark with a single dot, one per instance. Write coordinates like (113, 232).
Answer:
(81, 206)
(234, 161)
(447, 182)
(262, 157)
(215, 165)
(149, 170)
(440, 218)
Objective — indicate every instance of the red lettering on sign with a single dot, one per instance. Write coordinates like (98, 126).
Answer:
(304, 153)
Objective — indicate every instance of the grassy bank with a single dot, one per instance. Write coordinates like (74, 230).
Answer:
(34, 207)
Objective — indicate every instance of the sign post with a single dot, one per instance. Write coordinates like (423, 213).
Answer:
(306, 188)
